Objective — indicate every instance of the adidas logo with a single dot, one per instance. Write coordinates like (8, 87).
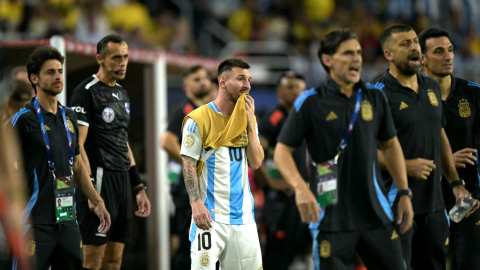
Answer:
(478, 223)
(394, 235)
(403, 105)
(447, 242)
(331, 116)
(46, 127)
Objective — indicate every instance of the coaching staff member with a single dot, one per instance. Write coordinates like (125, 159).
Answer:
(362, 218)
(103, 110)
(415, 102)
(48, 133)
(461, 101)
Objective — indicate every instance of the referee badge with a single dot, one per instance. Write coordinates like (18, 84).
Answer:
(325, 249)
(432, 97)
(464, 108)
(70, 126)
(367, 112)
(108, 114)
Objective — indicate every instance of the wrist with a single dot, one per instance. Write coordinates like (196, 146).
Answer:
(98, 201)
(139, 189)
(457, 183)
(405, 193)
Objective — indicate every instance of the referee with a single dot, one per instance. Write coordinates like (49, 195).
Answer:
(461, 101)
(103, 110)
(361, 220)
(415, 103)
(48, 134)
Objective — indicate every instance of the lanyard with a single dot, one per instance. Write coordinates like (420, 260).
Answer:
(51, 164)
(348, 132)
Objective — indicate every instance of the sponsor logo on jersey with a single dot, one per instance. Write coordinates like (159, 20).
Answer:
(127, 107)
(464, 108)
(108, 114)
(432, 97)
(79, 109)
(325, 249)
(367, 112)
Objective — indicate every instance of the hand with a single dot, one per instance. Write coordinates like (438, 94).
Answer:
(419, 168)
(104, 217)
(201, 216)
(307, 204)
(280, 185)
(91, 206)
(459, 192)
(250, 106)
(473, 209)
(464, 156)
(143, 204)
(405, 214)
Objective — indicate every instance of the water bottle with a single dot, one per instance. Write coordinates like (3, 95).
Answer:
(466, 204)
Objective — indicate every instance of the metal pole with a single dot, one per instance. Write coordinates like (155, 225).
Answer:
(59, 43)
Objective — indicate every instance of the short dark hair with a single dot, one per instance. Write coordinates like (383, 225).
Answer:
(230, 63)
(103, 43)
(21, 91)
(330, 43)
(17, 70)
(433, 32)
(290, 74)
(398, 28)
(192, 69)
(40, 55)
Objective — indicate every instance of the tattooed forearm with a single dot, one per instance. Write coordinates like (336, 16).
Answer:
(190, 175)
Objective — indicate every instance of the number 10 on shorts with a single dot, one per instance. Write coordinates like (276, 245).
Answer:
(204, 241)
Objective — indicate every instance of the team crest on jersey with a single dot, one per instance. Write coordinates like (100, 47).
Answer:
(108, 114)
(325, 249)
(127, 107)
(464, 108)
(367, 112)
(204, 260)
(31, 247)
(70, 126)
(432, 97)
(189, 141)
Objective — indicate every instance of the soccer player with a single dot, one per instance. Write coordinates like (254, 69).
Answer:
(461, 101)
(48, 133)
(222, 137)
(103, 110)
(197, 86)
(345, 107)
(417, 110)
(286, 234)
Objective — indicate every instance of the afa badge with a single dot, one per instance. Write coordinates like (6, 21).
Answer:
(325, 249)
(189, 141)
(31, 248)
(367, 112)
(204, 260)
(70, 126)
(464, 108)
(432, 97)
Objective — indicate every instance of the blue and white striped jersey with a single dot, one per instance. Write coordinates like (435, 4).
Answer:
(223, 186)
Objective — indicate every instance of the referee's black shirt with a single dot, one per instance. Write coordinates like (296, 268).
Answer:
(462, 112)
(106, 112)
(419, 121)
(41, 205)
(270, 128)
(321, 116)
(175, 123)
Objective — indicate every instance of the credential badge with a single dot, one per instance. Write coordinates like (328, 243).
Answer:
(367, 112)
(464, 108)
(432, 97)
(108, 114)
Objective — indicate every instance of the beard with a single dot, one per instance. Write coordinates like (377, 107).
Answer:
(201, 94)
(50, 90)
(405, 68)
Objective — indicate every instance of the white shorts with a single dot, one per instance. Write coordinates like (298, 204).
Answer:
(236, 247)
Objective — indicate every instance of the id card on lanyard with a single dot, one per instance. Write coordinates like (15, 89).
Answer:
(327, 172)
(63, 186)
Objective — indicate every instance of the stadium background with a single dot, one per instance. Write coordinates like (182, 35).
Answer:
(272, 35)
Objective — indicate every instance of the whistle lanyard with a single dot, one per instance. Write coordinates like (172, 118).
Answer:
(51, 163)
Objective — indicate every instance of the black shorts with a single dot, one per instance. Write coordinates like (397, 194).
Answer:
(57, 245)
(465, 243)
(114, 187)
(379, 248)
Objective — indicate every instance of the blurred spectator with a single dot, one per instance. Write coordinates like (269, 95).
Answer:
(21, 73)
(131, 16)
(21, 95)
(11, 14)
(92, 23)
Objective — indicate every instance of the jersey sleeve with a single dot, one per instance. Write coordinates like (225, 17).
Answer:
(296, 126)
(74, 121)
(386, 129)
(191, 140)
(82, 104)
(175, 123)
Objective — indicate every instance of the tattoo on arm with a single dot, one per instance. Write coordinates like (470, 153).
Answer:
(190, 175)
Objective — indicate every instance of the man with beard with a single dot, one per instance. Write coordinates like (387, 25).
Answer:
(461, 101)
(48, 134)
(418, 114)
(286, 235)
(342, 122)
(103, 110)
(197, 86)
(220, 142)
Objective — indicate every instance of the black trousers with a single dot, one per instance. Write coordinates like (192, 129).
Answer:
(465, 243)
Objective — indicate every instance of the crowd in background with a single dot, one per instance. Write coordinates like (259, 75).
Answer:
(177, 25)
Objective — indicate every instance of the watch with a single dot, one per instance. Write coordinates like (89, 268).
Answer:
(457, 183)
(407, 192)
(138, 189)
